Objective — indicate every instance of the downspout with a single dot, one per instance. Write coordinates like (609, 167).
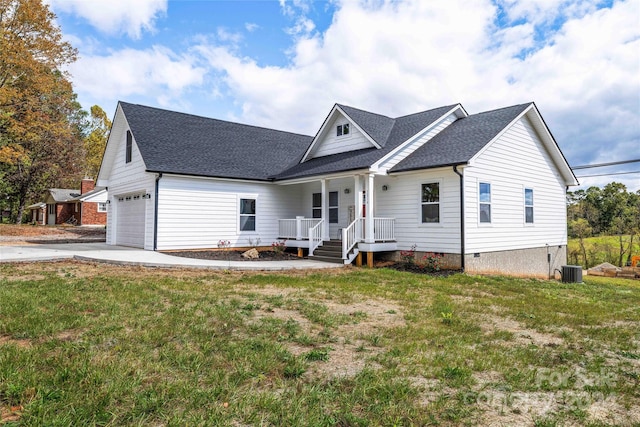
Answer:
(462, 248)
(155, 215)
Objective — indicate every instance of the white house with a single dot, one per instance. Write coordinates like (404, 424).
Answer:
(485, 190)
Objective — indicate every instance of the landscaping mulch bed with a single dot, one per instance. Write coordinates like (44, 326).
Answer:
(233, 255)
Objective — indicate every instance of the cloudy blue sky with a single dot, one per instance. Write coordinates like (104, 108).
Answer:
(283, 64)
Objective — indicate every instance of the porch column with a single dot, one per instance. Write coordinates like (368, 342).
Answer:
(369, 218)
(358, 190)
(325, 209)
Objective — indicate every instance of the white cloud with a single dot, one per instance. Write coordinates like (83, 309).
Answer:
(400, 57)
(155, 72)
(130, 17)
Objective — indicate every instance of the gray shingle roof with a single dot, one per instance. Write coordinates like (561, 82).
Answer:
(63, 194)
(388, 138)
(461, 140)
(179, 143)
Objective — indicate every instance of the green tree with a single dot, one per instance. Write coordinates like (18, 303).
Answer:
(96, 140)
(41, 123)
(581, 229)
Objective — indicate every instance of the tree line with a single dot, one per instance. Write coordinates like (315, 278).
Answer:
(46, 139)
(608, 211)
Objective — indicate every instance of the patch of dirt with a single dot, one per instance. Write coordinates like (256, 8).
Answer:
(523, 335)
(349, 351)
(415, 268)
(22, 343)
(9, 414)
(33, 234)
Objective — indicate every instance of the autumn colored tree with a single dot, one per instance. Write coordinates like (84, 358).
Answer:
(96, 140)
(41, 123)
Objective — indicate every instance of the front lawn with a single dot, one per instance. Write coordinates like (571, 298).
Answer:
(85, 344)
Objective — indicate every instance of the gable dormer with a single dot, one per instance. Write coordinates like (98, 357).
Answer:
(343, 131)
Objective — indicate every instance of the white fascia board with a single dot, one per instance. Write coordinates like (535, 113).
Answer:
(375, 144)
(211, 178)
(314, 178)
(458, 110)
(109, 154)
(321, 133)
(552, 146)
(499, 135)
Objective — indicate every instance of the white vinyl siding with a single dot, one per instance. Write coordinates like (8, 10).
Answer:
(402, 202)
(198, 212)
(515, 160)
(332, 143)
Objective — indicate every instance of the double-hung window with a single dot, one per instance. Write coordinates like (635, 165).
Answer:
(430, 201)
(528, 206)
(485, 202)
(102, 207)
(247, 214)
(316, 208)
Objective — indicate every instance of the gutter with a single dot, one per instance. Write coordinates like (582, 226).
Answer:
(155, 214)
(462, 248)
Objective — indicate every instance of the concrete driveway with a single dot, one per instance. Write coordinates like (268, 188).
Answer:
(101, 252)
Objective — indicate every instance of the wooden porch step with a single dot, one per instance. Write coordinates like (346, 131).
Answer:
(330, 251)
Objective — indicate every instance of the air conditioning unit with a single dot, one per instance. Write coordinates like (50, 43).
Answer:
(572, 274)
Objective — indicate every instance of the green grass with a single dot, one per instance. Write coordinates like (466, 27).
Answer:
(600, 249)
(84, 344)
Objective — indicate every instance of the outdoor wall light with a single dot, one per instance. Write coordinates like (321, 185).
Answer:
(385, 187)
(347, 191)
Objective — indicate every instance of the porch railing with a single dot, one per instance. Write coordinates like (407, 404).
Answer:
(351, 236)
(315, 237)
(297, 228)
(384, 229)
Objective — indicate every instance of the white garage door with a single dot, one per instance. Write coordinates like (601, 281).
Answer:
(130, 221)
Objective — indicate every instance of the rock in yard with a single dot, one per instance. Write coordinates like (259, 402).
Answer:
(251, 254)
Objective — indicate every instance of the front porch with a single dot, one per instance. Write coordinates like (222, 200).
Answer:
(311, 233)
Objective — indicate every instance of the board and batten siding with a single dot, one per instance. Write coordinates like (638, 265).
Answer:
(125, 179)
(402, 201)
(418, 142)
(333, 144)
(515, 161)
(196, 213)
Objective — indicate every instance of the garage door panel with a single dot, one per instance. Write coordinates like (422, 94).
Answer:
(131, 222)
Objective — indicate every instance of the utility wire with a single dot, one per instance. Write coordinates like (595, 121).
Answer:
(597, 165)
(607, 174)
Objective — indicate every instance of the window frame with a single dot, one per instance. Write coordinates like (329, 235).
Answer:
(340, 129)
(421, 203)
(128, 154)
(481, 203)
(529, 206)
(247, 215)
(316, 211)
(102, 206)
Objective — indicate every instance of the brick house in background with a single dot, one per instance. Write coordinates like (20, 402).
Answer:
(87, 206)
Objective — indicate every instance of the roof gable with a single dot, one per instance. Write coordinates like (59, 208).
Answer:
(402, 128)
(467, 138)
(185, 144)
(462, 140)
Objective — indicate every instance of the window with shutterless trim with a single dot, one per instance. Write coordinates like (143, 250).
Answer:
(528, 205)
(247, 214)
(430, 203)
(342, 129)
(484, 190)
